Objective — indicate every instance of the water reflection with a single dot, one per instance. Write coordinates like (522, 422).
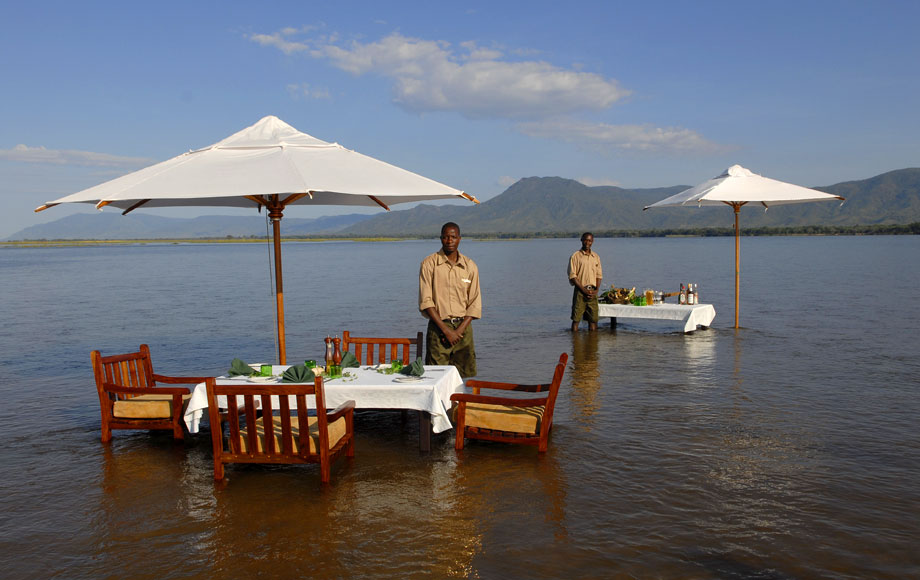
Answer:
(585, 376)
(144, 483)
(700, 358)
(513, 501)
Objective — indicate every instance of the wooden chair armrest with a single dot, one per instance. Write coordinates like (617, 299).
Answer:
(340, 411)
(113, 388)
(477, 384)
(179, 380)
(510, 401)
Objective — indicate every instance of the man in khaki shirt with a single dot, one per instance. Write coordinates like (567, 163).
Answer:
(448, 295)
(585, 275)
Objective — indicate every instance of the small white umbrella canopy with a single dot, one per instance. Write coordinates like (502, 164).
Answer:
(270, 165)
(736, 187)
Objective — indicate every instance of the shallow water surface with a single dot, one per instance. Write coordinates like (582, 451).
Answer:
(786, 449)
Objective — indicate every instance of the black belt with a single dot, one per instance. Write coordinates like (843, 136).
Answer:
(457, 320)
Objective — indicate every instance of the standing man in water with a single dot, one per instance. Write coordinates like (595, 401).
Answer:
(585, 275)
(448, 295)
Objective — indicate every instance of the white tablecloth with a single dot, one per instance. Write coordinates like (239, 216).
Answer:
(690, 316)
(369, 390)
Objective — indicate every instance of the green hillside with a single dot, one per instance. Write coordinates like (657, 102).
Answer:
(554, 205)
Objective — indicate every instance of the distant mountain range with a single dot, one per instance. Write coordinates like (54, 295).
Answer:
(140, 226)
(553, 204)
(533, 205)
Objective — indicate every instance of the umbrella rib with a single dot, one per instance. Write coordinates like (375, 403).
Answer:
(135, 206)
(296, 196)
(378, 202)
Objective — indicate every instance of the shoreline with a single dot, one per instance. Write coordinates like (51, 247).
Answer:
(872, 230)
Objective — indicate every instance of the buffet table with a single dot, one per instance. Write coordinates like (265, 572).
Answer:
(688, 316)
(369, 389)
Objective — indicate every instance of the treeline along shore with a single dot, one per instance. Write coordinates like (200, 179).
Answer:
(818, 230)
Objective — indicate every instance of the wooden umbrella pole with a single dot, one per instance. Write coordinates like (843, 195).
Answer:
(275, 213)
(737, 208)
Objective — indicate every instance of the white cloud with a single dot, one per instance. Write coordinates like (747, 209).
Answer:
(507, 180)
(305, 91)
(636, 138)
(277, 40)
(26, 154)
(430, 75)
(485, 82)
(598, 181)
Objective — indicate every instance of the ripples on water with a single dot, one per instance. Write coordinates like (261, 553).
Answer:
(788, 449)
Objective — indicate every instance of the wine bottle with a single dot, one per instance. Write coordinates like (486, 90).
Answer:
(329, 362)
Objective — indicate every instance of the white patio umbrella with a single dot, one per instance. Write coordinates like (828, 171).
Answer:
(736, 187)
(270, 165)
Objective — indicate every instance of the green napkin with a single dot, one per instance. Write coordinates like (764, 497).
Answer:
(240, 369)
(298, 374)
(416, 369)
(349, 360)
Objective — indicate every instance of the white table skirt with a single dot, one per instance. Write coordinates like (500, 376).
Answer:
(690, 316)
(369, 390)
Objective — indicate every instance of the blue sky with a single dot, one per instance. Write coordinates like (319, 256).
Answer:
(473, 94)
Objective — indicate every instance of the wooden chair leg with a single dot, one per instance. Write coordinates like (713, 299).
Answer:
(460, 425)
(350, 430)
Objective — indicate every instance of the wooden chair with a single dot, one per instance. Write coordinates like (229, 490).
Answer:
(129, 397)
(526, 421)
(387, 349)
(326, 437)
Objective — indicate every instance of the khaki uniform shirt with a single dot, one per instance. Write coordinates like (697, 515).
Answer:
(452, 289)
(586, 268)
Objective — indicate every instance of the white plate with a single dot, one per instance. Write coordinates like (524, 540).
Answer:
(259, 379)
(407, 379)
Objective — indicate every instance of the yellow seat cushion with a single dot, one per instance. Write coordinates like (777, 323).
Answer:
(336, 431)
(145, 407)
(504, 417)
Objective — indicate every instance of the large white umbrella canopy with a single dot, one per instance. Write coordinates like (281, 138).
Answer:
(736, 187)
(270, 165)
(270, 157)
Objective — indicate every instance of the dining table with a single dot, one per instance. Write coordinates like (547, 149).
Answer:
(687, 316)
(370, 387)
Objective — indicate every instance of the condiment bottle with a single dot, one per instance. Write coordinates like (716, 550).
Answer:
(682, 297)
(337, 356)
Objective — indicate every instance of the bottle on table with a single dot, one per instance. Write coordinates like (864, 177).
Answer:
(337, 356)
(682, 296)
(329, 362)
(691, 297)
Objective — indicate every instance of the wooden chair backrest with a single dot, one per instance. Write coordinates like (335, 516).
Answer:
(132, 370)
(553, 391)
(264, 413)
(387, 349)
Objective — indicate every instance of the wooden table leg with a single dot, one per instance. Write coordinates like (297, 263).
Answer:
(613, 322)
(424, 431)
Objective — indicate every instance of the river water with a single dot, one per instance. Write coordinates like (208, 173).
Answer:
(786, 449)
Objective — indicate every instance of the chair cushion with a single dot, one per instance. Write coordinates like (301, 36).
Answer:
(336, 430)
(145, 407)
(505, 417)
